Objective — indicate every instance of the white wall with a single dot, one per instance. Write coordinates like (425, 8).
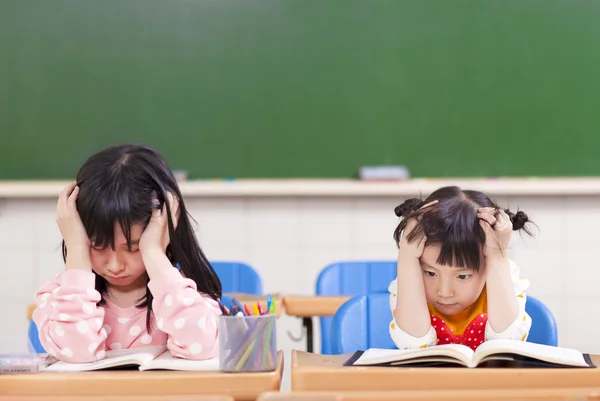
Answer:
(289, 239)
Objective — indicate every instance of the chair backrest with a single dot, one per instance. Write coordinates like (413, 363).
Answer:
(34, 339)
(362, 322)
(238, 277)
(352, 278)
(543, 328)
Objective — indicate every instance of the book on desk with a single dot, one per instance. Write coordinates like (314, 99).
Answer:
(492, 353)
(142, 358)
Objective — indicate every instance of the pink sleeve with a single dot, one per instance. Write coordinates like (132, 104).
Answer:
(189, 318)
(68, 320)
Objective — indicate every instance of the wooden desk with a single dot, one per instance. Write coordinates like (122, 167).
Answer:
(30, 309)
(308, 306)
(240, 386)
(315, 372)
(572, 394)
(190, 397)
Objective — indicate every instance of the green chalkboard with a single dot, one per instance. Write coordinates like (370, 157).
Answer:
(303, 88)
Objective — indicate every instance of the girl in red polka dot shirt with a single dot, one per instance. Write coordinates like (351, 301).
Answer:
(135, 274)
(455, 283)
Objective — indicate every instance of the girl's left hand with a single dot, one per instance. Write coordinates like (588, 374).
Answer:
(156, 234)
(497, 227)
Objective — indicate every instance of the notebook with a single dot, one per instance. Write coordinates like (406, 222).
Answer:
(144, 358)
(500, 353)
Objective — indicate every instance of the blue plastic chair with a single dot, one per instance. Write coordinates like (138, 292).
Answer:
(238, 277)
(352, 278)
(34, 339)
(543, 324)
(362, 323)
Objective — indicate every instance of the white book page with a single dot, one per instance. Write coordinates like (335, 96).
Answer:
(169, 362)
(114, 358)
(546, 353)
(374, 356)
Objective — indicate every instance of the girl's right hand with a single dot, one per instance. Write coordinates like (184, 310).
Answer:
(69, 221)
(413, 249)
(416, 247)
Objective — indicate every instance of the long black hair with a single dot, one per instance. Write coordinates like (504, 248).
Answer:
(116, 186)
(452, 222)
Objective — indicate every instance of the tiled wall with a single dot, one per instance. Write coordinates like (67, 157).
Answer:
(289, 240)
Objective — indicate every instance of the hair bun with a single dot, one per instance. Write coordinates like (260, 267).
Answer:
(518, 219)
(407, 207)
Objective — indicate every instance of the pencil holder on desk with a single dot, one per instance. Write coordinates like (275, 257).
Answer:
(247, 343)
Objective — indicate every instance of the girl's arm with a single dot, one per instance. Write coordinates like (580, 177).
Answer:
(502, 304)
(504, 310)
(186, 316)
(68, 321)
(411, 322)
(189, 318)
(518, 329)
(67, 317)
(402, 339)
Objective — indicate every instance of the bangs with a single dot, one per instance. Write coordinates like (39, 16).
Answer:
(455, 227)
(460, 255)
(101, 211)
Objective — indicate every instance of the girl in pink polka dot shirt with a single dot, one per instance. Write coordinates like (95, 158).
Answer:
(125, 227)
(456, 284)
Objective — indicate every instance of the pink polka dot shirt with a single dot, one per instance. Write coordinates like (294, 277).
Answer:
(75, 329)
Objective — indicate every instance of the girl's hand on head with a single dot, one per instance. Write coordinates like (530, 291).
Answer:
(69, 222)
(156, 235)
(416, 247)
(497, 227)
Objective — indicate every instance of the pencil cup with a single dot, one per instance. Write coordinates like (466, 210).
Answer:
(247, 343)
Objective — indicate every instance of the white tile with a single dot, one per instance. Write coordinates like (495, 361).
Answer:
(50, 263)
(13, 309)
(582, 323)
(233, 253)
(272, 221)
(376, 251)
(581, 270)
(544, 267)
(373, 220)
(219, 221)
(548, 217)
(325, 221)
(278, 267)
(17, 224)
(582, 220)
(47, 230)
(17, 272)
(314, 259)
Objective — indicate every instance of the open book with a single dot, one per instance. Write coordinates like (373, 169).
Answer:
(495, 353)
(145, 358)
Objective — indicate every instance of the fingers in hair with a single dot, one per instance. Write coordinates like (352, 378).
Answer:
(156, 207)
(487, 217)
(73, 197)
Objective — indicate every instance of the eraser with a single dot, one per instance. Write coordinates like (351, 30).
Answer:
(368, 173)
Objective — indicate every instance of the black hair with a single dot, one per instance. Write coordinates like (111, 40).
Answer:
(116, 185)
(452, 222)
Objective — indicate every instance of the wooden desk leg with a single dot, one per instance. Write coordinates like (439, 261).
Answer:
(308, 323)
